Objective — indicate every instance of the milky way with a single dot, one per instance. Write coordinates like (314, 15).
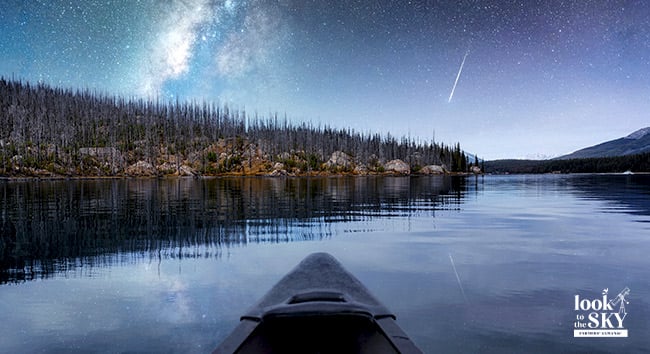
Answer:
(546, 77)
(170, 51)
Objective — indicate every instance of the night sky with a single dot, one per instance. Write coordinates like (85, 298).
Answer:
(538, 78)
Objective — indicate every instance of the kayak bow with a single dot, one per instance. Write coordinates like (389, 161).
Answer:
(318, 307)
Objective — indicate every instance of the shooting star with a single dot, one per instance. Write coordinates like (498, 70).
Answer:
(451, 95)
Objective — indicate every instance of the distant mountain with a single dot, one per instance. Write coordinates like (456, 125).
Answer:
(635, 143)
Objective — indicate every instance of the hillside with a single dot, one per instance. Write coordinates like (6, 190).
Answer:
(635, 143)
(49, 132)
(614, 164)
(631, 153)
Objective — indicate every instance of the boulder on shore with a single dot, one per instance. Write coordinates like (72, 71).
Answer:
(140, 169)
(277, 173)
(107, 156)
(397, 166)
(186, 170)
(278, 170)
(432, 170)
(360, 170)
(339, 159)
(167, 168)
(172, 169)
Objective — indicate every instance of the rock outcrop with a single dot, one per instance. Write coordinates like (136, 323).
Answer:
(397, 166)
(278, 170)
(186, 170)
(140, 169)
(360, 170)
(432, 170)
(339, 159)
(277, 173)
(172, 169)
(108, 157)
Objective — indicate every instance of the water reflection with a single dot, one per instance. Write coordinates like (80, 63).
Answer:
(522, 247)
(53, 226)
(628, 193)
(622, 193)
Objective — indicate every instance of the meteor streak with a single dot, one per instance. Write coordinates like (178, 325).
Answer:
(450, 258)
(451, 95)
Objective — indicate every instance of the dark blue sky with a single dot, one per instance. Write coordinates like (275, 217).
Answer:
(539, 78)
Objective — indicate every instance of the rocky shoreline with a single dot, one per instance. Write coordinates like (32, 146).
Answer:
(220, 159)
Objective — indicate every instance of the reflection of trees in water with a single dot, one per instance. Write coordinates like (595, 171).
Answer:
(50, 226)
(627, 193)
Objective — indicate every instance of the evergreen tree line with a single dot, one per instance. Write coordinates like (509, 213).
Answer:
(48, 127)
(613, 164)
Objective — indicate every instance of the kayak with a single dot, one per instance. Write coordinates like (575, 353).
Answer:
(318, 307)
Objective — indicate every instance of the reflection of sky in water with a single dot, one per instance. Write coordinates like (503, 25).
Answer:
(522, 246)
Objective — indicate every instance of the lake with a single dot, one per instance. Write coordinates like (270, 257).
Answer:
(468, 264)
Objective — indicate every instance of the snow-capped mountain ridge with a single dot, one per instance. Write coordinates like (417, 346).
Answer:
(639, 133)
(635, 143)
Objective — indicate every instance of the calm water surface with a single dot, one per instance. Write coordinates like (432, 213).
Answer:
(170, 265)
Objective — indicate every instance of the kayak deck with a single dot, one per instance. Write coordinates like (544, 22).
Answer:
(318, 307)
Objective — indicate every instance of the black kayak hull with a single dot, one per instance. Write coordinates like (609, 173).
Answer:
(318, 307)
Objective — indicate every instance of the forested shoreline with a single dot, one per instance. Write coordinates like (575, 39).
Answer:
(614, 164)
(48, 132)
